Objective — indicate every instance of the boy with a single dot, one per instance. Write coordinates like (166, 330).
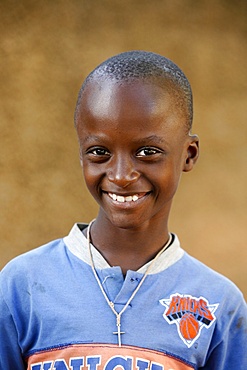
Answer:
(121, 292)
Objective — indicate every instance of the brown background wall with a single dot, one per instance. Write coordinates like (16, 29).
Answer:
(48, 47)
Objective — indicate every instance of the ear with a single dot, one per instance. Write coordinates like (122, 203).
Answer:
(192, 153)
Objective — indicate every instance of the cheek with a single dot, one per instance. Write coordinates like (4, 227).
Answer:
(92, 177)
(168, 180)
(89, 175)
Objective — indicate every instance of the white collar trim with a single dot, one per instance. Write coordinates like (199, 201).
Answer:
(76, 242)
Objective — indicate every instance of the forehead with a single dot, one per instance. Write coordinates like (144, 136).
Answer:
(129, 103)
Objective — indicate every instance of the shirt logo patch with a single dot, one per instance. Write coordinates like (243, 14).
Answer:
(190, 314)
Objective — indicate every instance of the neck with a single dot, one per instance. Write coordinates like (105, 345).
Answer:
(128, 248)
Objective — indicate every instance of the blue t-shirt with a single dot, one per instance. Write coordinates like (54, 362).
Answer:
(53, 315)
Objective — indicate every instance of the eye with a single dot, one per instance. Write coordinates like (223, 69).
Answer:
(148, 151)
(98, 152)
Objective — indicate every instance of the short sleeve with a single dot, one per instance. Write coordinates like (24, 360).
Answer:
(10, 352)
(230, 352)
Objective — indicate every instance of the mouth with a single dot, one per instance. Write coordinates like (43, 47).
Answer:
(128, 198)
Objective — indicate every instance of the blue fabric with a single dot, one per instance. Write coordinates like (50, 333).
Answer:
(50, 300)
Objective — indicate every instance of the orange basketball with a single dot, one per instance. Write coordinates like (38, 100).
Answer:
(189, 326)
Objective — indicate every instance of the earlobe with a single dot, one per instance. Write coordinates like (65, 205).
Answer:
(192, 153)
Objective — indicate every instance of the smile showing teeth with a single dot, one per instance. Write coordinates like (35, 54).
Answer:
(122, 199)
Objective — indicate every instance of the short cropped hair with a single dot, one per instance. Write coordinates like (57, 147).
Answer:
(143, 65)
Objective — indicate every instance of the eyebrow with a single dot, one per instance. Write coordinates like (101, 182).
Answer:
(152, 139)
(92, 137)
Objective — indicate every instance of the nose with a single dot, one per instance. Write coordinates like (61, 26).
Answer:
(122, 171)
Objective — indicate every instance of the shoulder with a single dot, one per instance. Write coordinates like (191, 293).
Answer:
(30, 273)
(31, 261)
(212, 283)
(210, 295)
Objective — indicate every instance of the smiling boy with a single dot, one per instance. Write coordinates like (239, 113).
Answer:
(121, 292)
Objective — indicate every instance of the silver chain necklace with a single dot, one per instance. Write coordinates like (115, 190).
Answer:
(110, 303)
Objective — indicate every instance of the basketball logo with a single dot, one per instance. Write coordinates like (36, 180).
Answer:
(190, 315)
(189, 326)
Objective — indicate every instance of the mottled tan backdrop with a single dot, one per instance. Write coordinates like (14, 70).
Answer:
(48, 47)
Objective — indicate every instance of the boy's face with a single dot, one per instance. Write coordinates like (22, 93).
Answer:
(134, 147)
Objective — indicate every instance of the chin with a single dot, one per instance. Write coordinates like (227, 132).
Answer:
(127, 222)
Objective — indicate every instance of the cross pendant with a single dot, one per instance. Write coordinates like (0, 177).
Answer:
(118, 332)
